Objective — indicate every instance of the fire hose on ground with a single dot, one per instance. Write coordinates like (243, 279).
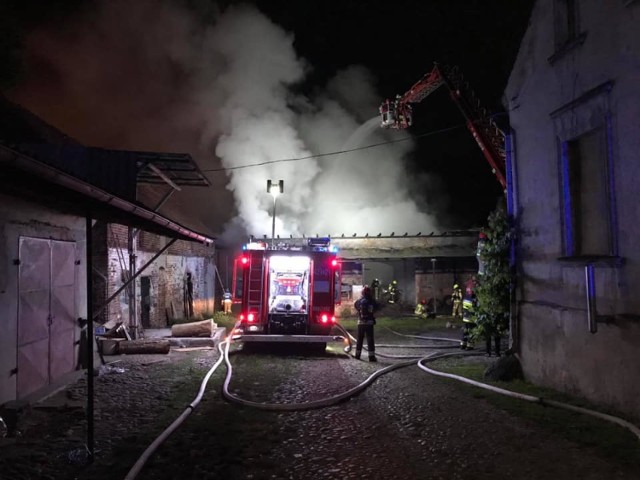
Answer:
(224, 347)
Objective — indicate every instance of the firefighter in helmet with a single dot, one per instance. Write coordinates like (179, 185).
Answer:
(366, 307)
(456, 298)
(226, 301)
(421, 309)
(375, 289)
(469, 304)
(393, 291)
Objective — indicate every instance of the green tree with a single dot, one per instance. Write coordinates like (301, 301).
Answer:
(492, 291)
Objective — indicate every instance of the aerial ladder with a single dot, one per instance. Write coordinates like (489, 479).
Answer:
(397, 113)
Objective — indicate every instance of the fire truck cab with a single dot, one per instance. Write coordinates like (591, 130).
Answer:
(288, 292)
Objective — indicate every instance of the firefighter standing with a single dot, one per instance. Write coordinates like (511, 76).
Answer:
(468, 324)
(375, 288)
(366, 307)
(226, 302)
(456, 297)
(393, 291)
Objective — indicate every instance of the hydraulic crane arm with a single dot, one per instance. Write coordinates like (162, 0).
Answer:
(397, 113)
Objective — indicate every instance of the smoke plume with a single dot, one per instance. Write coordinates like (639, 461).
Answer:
(153, 76)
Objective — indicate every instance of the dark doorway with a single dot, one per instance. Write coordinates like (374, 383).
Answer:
(145, 301)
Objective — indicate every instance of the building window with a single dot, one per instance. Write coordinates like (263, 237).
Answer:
(567, 28)
(566, 18)
(586, 195)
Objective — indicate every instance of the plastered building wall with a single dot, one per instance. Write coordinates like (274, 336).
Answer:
(557, 93)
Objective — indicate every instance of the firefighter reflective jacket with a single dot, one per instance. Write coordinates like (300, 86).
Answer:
(468, 309)
(421, 309)
(456, 296)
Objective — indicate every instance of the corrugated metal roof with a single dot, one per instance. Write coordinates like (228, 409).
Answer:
(179, 167)
(40, 163)
(29, 178)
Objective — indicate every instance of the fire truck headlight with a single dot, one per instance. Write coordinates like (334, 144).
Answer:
(324, 318)
(251, 317)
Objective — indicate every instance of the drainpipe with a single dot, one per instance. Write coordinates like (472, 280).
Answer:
(511, 193)
(590, 290)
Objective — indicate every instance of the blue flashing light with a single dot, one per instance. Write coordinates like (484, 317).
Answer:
(319, 241)
(333, 249)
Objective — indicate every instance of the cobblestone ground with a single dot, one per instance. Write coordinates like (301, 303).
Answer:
(408, 424)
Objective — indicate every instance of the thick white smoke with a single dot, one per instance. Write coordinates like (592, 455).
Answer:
(357, 192)
(150, 76)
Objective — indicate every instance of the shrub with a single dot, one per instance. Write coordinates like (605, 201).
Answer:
(492, 291)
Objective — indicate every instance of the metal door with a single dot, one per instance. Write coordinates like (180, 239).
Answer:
(62, 318)
(46, 313)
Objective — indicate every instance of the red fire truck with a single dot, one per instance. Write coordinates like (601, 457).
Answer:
(288, 292)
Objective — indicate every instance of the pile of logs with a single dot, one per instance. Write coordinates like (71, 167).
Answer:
(204, 328)
(113, 345)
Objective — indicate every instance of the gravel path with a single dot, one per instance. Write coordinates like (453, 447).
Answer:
(408, 424)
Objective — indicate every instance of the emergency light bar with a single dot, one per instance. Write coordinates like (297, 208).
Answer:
(319, 241)
(319, 244)
(314, 244)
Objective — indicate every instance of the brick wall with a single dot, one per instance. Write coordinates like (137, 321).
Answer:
(166, 277)
(100, 270)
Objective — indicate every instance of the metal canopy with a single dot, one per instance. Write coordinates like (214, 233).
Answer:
(23, 176)
(179, 168)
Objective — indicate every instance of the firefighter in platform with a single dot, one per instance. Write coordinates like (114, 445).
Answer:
(469, 304)
(375, 289)
(421, 309)
(366, 307)
(456, 298)
(226, 302)
(393, 292)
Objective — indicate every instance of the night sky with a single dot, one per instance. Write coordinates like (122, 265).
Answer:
(397, 42)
